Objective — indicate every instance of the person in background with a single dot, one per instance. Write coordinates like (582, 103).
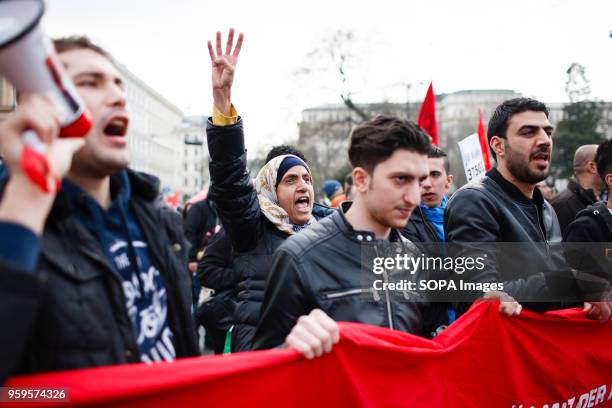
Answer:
(348, 187)
(426, 223)
(547, 189)
(583, 189)
(589, 248)
(333, 192)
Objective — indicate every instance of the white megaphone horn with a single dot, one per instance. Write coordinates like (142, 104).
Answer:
(28, 60)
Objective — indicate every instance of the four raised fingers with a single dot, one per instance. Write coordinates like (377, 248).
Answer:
(217, 51)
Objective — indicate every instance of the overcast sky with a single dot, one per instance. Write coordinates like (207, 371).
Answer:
(476, 44)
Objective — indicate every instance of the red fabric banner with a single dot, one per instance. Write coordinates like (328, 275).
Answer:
(548, 360)
(482, 138)
(427, 115)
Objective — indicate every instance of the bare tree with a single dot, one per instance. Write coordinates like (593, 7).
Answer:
(335, 55)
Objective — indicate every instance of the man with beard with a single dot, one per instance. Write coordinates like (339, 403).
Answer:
(505, 207)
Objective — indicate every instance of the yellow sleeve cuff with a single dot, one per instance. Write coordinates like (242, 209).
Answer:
(220, 119)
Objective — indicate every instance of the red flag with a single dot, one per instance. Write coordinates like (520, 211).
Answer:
(427, 115)
(173, 200)
(484, 146)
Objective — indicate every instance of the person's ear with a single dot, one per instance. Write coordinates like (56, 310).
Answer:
(608, 179)
(361, 179)
(497, 144)
(449, 183)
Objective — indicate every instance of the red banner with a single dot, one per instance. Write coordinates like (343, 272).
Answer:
(549, 360)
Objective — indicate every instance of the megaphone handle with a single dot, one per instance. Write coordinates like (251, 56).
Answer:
(35, 163)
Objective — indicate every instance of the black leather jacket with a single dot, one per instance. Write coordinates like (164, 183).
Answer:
(323, 267)
(483, 217)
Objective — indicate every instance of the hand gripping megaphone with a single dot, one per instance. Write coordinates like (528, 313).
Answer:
(28, 60)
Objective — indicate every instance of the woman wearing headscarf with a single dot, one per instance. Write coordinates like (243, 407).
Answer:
(257, 216)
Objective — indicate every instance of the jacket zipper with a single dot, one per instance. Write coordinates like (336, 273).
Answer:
(353, 292)
(540, 226)
(387, 297)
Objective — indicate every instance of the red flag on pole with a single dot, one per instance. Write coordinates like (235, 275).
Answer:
(427, 115)
(484, 146)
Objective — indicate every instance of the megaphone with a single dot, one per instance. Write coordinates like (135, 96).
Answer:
(29, 61)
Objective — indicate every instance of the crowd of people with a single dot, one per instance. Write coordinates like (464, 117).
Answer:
(101, 272)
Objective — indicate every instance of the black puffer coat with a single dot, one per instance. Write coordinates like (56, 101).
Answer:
(254, 238)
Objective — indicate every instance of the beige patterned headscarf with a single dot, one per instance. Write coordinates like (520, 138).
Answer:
(265, 186)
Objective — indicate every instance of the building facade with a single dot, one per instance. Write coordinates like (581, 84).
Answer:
(324, 130)
(195, 156)
(158, 131)
(155, 140)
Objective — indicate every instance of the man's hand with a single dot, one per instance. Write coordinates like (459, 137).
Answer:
(314, 334)
(223, 68)
(23, 202)
(601, 310)
(507, 305)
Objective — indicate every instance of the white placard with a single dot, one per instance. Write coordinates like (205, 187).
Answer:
(471, 155)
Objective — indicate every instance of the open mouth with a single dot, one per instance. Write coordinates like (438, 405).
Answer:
(541, 157)
(116, 126)
(302, 203)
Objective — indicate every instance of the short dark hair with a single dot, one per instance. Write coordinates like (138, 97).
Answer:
(603, 159)
(79, 42)
(281, 150)
(348, 179)
(435, 152)
(498, 125)
(374, 141)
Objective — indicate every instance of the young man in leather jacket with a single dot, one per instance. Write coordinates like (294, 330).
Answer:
(322, 275)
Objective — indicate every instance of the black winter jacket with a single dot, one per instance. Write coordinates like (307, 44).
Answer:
(588, 250)
(323, 267)
(201, 218)
(482, 217)
(71, 314)
(215, 272)
(570, 202)
(254, 239)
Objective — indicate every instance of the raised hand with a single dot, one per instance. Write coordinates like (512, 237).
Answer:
(223, 68)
